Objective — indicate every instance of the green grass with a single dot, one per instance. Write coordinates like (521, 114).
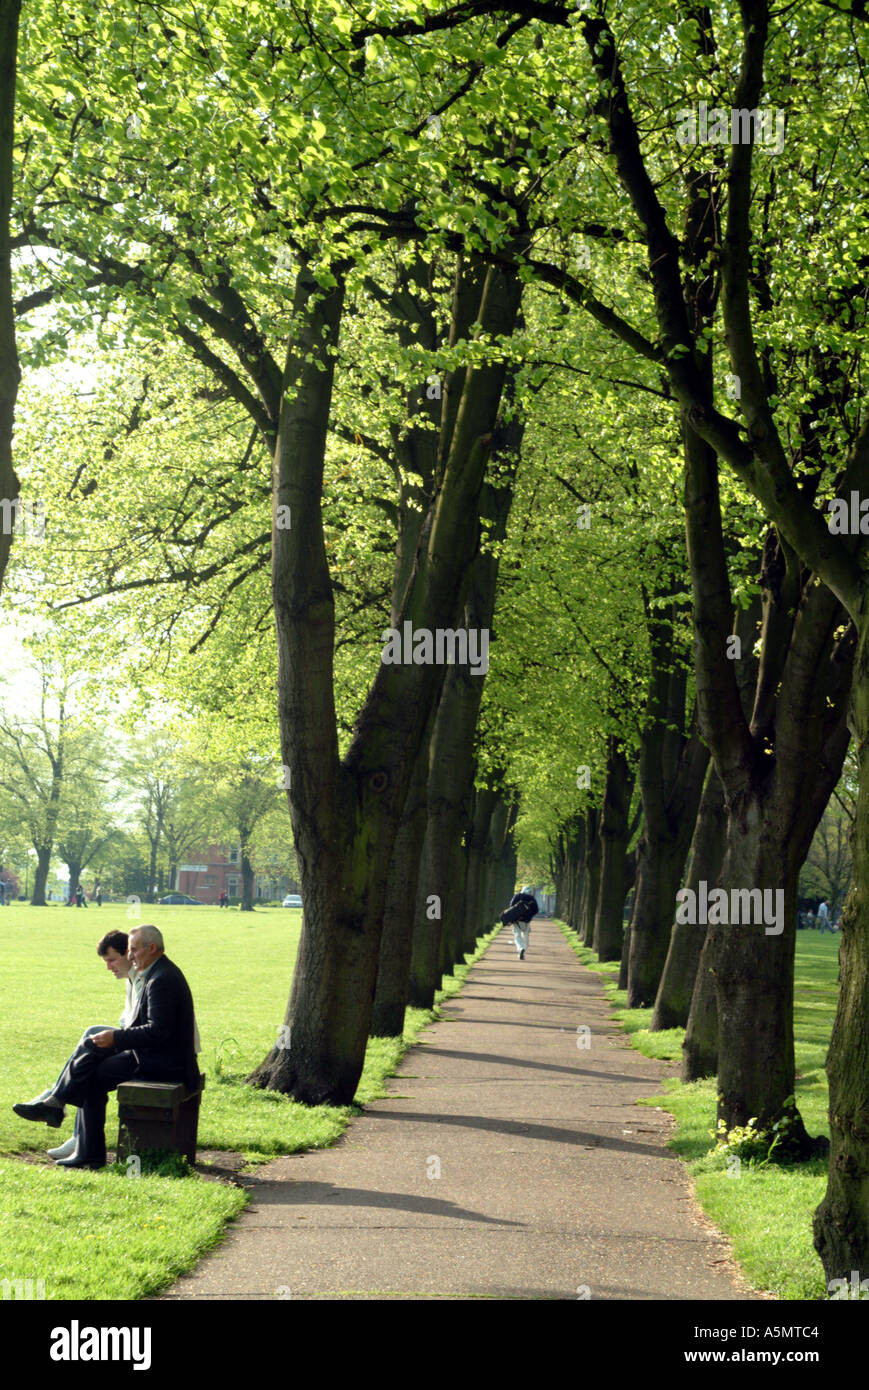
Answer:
(766, 1210)
(101, 1235)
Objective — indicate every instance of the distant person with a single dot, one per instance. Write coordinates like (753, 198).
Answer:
(79, 896)
(98, 894)
(222, 898)
(810, 920)
(824, 919)
(522, 909)
(3, 887)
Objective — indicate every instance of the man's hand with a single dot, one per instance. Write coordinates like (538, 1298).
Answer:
(106, 1039)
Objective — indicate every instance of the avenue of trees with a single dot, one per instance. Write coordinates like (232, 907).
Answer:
(540, 321)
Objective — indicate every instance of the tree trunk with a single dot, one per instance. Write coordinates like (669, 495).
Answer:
(673, 1004)
(346, 812)
(45, 848)
(497, 858)
(451, 781)
(152, 868)
(778, 772)
(673, 762)
(40, 878)
(74, 878)
(247, 880)
(609, 920)
(505, 868)
(401, 907)
(756, 1045)
(626, 952)
(592, 874)
(557, 867)
(473, 847)
(574, 840)
(841, 1224)
(416, 454)
(700, 1046)
(630, 878)
(436, 865)
(10, 372)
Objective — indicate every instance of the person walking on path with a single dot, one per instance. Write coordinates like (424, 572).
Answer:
(523, 908)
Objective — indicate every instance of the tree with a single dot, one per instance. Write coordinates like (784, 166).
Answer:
(161, 771)
(9, 369)
(830, 855)
(245, 794)
(37, 759)
(291, 411)
(842, 1228)
(188, 822)
(777, 404)
(86, 824)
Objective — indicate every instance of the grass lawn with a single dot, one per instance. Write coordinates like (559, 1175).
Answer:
(766, 1210)
(100, 1235)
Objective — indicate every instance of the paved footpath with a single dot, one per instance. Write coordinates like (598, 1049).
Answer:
(507, 1162)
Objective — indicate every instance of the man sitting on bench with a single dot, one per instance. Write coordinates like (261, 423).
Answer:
(157, 1046)
(112, 948)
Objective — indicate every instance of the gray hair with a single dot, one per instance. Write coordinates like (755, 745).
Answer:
(149, 935)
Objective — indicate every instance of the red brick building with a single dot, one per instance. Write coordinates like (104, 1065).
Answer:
(207, 874)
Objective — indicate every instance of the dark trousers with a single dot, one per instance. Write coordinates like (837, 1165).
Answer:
(86, 1080)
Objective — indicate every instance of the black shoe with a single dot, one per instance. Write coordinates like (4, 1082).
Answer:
(76, 1162)
(522, 954)
(38, 1110)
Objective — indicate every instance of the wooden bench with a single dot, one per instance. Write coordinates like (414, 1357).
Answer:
(158, 1115)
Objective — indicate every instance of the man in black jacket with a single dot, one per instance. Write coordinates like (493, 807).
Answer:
(157, 1046)
(523, 907)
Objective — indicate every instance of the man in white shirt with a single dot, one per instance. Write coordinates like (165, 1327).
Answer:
(113, 950)
(824, 919)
